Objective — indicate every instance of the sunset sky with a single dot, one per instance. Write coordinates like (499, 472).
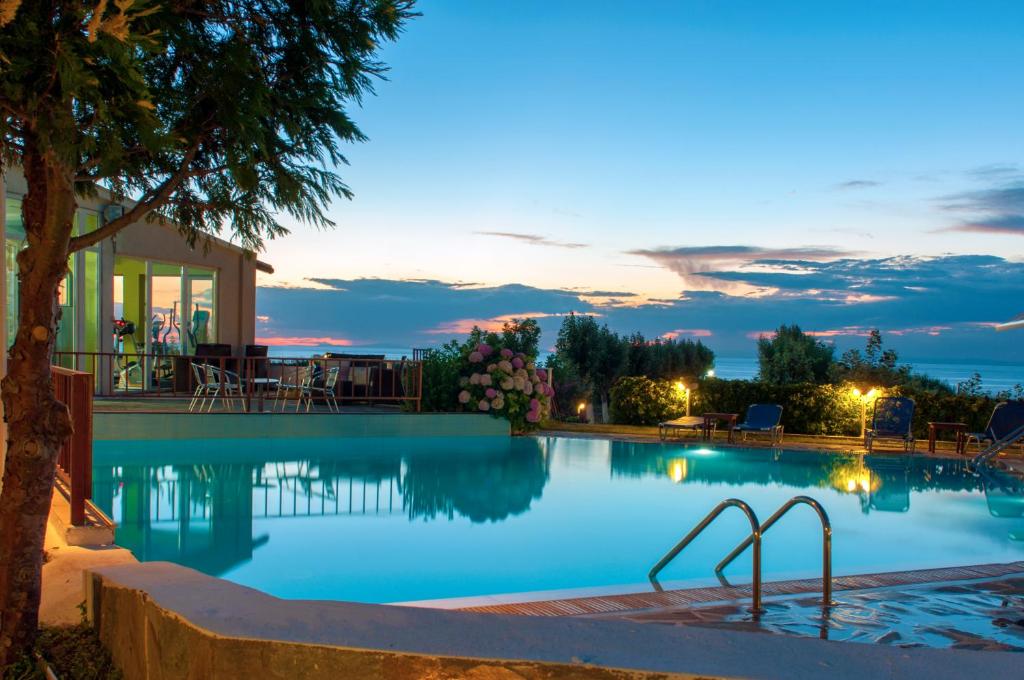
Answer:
(689, 169)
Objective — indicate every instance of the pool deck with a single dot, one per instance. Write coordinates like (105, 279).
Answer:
(665, 602)
(807, 442)
(164, 620)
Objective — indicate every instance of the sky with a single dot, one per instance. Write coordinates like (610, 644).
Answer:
(684, 169)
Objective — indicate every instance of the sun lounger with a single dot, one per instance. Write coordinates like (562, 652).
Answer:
(1006, 417)
(763, 419)
(892, 418)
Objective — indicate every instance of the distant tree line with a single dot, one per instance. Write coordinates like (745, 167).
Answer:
(589, 358)
(791, 356)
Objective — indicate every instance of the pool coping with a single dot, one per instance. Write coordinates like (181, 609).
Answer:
(160, 617)
(689, 597)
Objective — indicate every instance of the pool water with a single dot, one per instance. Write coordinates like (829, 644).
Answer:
(393, 520)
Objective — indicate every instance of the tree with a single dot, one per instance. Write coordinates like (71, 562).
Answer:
(597, 355)
(874, 367)
(205, 113)
(521, 335)
(792, 356)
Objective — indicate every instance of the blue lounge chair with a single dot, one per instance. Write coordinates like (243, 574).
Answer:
(892, 418)
(762, 418)
(1006, 417)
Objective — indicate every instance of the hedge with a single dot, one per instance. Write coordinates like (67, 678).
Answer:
(806, 408)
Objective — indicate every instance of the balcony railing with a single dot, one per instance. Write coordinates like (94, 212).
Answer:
(74, 463)
(251, 384)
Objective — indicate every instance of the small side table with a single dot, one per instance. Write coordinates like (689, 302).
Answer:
(694, 423)
(711, 423)
(959, 428)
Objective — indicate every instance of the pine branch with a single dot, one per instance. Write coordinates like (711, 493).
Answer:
(154, 199)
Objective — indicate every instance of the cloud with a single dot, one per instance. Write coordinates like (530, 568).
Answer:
(721, 268)
(532, 239)
(496, 323)
(687, 332)
(998, 210)
(995, 171)
(858, 184)
(1005, 224)
(927, 308)
(302, 341)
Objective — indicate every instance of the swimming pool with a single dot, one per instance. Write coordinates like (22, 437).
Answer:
(403, 519)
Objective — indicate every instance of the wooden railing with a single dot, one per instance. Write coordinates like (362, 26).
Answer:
(138, 375)
(74, 463)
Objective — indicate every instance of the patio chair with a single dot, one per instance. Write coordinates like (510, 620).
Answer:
(763, 419)
(326, 391)
(204, 385)
(223, 384)
(298, 390)
(892, 418)
(1006, 417)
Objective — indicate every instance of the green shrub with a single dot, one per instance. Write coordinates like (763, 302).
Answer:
(441, 370)
(834, 409)
(642, 401)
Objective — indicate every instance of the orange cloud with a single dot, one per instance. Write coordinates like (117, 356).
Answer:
(691, 332)
(494, 324)
(303, 341)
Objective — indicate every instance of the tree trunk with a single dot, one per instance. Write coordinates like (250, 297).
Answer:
(604, 407)
(37, 424)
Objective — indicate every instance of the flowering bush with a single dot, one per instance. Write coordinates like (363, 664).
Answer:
(505, 384)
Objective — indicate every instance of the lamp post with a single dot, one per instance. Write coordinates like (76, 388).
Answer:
(864, 399)
(683, 388)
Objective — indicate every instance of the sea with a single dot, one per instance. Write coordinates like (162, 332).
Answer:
(995, 376)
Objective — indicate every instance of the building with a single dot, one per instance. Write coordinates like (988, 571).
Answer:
(146, 282)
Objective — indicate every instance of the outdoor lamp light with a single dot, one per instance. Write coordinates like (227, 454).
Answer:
(710, 373)
(683, 388)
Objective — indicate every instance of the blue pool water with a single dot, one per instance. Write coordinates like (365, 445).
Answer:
(403, 519)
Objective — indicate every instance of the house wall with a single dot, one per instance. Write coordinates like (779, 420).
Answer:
(236, 274)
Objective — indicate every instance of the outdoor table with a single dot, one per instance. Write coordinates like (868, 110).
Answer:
(711, 423)
(260, 386)
(685, 423)
(959, 428)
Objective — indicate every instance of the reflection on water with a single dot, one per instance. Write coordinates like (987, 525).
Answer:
(352, 519)
(201, 515)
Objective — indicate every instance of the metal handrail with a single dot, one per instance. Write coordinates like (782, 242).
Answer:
(826, 542)
(996, 447)
(755, 538)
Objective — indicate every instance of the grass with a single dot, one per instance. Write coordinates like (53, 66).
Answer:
(73, 652)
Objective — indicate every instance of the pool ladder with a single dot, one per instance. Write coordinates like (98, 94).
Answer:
(756, 532)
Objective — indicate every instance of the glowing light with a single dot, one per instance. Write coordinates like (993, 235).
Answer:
(680, 386)
(678, 470)
(711, 373)
(581, 407)
(704, 451)
(871, 393)
(856, 392)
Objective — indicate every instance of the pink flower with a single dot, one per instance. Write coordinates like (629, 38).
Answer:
(474, 379)
(534, 405)
(517, 362)
(527, 387)
(507, 384)
(491, 368)
(507, 353)
(549, 390)
(484, 405)
(464, 397)
(476, 357)
(542, 374)
(484, 349)
(498, 404)
(485, 379)
(533, 417)
(504, 366)
(491, 393)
